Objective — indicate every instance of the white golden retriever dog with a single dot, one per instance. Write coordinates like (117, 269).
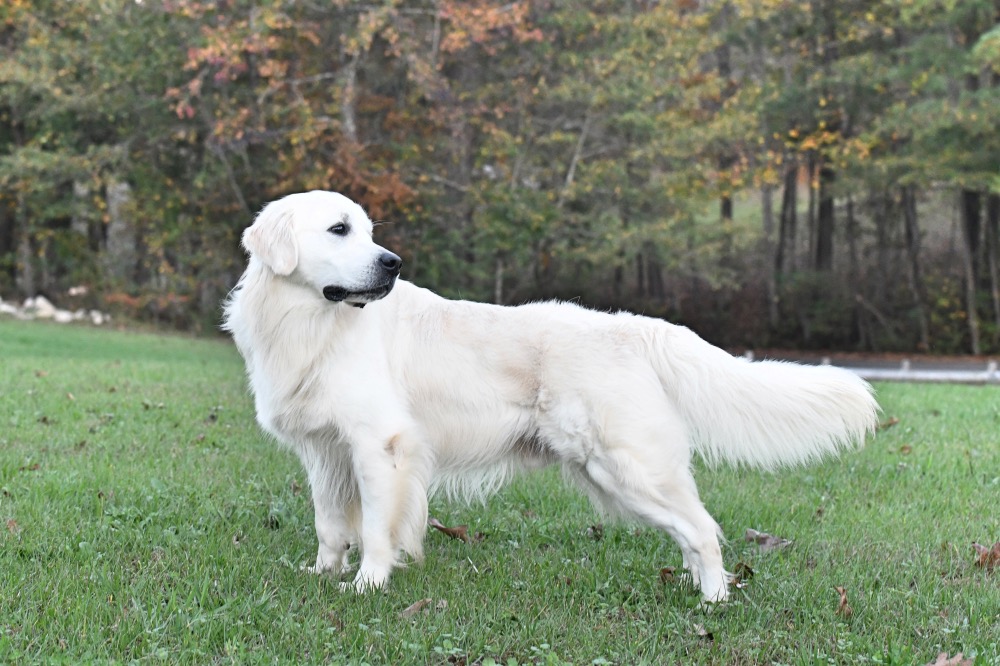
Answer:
(387, 392)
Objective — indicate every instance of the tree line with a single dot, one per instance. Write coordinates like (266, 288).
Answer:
(821, 173)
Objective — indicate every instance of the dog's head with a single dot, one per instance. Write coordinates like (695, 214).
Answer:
(323, 240)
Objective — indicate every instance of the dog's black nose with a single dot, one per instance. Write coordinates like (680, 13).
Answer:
(391, 262)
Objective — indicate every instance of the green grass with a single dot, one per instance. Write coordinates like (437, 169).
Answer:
(144, 518)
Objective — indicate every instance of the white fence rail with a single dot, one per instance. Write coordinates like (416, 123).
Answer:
(948, 372)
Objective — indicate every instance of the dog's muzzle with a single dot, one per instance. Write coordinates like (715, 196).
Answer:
(388, 267)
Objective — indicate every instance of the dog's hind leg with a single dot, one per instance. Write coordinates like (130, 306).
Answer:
(642, 470)
(669, 506)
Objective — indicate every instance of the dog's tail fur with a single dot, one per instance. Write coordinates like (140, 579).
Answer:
(763, 414)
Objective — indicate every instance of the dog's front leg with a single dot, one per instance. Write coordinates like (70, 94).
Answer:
(381, 487)
(336, 506)
(334, 532)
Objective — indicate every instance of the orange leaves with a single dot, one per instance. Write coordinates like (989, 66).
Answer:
(460, 532)
(987, 557)
(844, 609)
(480, 22)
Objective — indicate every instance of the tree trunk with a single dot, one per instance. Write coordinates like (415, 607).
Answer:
(348, 117)
(912, 235)
(854, 276)
(883, 211)
(8, 241)
(640, 274)
(972, 226)
(811, 211)
(498, 275)
(25, 266)
(825, 220)
(784, 257)
(970, 246)
(724, 68)
(767, 215)
(121, 251)
(992, 244)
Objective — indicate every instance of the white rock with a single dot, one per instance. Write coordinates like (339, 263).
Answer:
(43, 308)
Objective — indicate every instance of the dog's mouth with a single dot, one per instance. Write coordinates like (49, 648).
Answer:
(361, 297)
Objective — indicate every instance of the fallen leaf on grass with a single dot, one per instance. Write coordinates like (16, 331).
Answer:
(906, 449)
(843, 608)
(988, 557)
(741, 575)
(13, 527)
(596, 532)
(766, 542)
(460, 532)
(41, 373)
(885, 425)
(415, 608)
(944, 660)
(667, 575)
(34, 467)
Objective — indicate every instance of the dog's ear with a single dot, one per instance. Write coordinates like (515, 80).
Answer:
(270, 238)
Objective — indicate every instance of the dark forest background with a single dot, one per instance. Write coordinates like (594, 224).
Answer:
(819, 173)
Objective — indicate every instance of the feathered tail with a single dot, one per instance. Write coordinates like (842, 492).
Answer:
(765, 413)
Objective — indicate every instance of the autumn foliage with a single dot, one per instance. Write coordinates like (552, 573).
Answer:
(795, 173)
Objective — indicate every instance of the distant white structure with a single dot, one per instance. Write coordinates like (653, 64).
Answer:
(39, 307)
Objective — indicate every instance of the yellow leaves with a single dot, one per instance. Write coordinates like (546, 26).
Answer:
(483, 21)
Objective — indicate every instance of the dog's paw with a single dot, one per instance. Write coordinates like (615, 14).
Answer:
(715, 588)
(367, 581)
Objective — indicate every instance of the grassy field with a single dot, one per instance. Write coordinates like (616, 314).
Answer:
(143, 518)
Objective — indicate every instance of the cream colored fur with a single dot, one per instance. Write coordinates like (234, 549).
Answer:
(413, 392)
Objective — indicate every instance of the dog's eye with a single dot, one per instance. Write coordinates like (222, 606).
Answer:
(339, 229)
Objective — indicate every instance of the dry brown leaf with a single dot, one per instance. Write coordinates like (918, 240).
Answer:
(944, 660)
(41, 373)
(766, 542)
(667, 575)
(741, 574)
(843, 608)
(13, 527)
(906, 449)
(888, 423)
(415, 608)
(460, 532)
(988, 557)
